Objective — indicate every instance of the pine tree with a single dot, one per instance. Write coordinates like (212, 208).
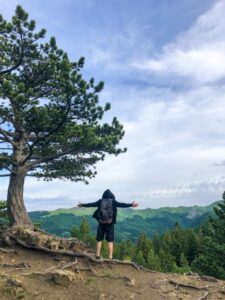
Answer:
(153, 261)
(84, 228)
(211, 257)
(218, 223)
(157, 242)
(192, 245)
(50, 119)
(168, 263)
(166, 241)
(144, 244)
(126, 250)
(139, 258)
(184, 265)
(177, 243)
(75, 232)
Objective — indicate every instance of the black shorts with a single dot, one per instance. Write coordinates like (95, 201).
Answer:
(107, 231)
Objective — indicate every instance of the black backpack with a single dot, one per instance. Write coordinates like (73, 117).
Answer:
(106, 211)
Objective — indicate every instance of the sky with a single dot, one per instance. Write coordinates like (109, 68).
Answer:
(163, 64)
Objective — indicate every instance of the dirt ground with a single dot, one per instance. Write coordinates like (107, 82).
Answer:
(31, 274)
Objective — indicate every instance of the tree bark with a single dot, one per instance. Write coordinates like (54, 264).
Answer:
(16, 209)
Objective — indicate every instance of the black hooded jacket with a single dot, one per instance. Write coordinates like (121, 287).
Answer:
(107, 195)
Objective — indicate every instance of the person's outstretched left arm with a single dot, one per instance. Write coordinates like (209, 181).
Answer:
(120, 204)
(91, 204)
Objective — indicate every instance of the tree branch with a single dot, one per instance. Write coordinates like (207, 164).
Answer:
(49, 158)
(59, 125)
(19, 61)
(11, 69)
(6, 168)
(11, 134)
(5, 175)
(7, 138)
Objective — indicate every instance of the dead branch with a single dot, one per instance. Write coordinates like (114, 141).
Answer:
(52, 268)
(204, 296)
(61, 265)
(171, 290)
(85, 269)
(209, 278)
(16, 269)
(115, 277)
(187, 285)
(69, 265)
(7, 250)
(17, 265)
(34, 273)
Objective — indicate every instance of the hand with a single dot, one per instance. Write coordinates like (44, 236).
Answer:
(134, 204)
(79, 204)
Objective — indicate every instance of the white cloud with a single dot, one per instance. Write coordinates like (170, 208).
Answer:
(198, 54)
(201, 193)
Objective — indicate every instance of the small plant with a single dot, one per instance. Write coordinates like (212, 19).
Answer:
(3, 210)
(37, 225)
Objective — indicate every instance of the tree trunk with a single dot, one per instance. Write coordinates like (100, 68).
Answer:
(15, 204)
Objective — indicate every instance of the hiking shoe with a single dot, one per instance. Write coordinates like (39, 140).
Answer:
(98, 257)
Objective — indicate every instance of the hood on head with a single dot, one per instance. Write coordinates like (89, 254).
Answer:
(108, 195)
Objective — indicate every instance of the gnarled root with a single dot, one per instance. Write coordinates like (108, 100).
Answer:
(81, 255)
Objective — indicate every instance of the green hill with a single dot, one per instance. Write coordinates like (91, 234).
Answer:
(130, 222)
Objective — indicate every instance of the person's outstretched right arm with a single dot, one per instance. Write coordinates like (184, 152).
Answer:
(120, 204)
(91, 204)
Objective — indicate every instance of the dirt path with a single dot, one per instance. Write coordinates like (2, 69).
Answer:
(30, 274)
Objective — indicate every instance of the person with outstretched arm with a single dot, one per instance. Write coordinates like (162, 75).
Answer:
(106, 214)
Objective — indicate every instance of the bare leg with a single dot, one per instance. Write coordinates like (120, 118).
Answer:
(98, 248)
(110, 246)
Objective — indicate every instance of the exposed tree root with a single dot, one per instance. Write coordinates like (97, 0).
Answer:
(61, 252)
(188, 285)
(61, 266)
(81, 255)
(51, 271)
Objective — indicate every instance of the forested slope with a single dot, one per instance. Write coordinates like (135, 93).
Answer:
(130, 222)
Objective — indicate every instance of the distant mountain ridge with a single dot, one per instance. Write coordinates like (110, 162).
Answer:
(130, 222)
